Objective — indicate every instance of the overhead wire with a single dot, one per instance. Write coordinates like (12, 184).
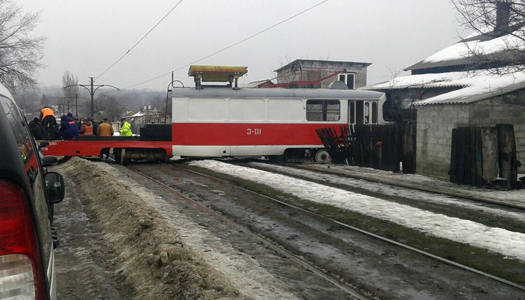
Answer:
(127, 52)
(230, 46)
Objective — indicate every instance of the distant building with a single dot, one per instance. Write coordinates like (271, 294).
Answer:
(307, 73)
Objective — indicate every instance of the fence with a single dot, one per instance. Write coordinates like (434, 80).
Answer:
(375, 146)
(482, 155)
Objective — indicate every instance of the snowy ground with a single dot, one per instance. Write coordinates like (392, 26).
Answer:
(389, 189)
(494, 239)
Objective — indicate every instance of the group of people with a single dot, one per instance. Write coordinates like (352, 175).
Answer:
(46, 127)
(71, 128)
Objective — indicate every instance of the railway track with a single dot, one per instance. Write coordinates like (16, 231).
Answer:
(316, 264)
(281, 251)
(393, 242)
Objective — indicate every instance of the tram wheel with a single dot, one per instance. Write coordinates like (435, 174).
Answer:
(322, 156)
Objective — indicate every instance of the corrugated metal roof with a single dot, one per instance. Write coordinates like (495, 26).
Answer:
(474, 85)
(433, 80)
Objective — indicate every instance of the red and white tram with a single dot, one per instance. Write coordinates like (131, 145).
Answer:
(210, 121)
(218, 122)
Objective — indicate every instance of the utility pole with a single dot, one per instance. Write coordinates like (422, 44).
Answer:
(91, 89)
(76, 105)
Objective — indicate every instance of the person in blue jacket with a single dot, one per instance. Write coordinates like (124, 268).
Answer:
(68, 128)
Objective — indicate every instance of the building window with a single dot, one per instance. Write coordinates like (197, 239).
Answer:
(323, 110)
(348, 79)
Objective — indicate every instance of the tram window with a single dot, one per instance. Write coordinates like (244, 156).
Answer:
(374, 112)
(358, 112)
(367, 112)
(351, 116)
(323, 110)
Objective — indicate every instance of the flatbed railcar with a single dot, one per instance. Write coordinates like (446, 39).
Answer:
(124, 148)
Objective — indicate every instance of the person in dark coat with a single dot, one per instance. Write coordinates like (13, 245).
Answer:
(68, 128)
(47, 116)
(95, 125)
(36, 128)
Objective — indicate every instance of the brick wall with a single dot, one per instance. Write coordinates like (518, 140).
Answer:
(434, 137)
(435, 124)
(312, 70)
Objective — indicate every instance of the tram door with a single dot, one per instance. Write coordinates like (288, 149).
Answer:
(362, 112)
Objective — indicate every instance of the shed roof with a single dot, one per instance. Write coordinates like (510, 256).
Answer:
(473, 86)
(488, 45)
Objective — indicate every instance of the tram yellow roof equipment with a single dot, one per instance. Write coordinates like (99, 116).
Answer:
(217, 73)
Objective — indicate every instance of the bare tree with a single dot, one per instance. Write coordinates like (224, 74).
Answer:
(69, 86)
(502, 23)
(19, 53)
(109, 107)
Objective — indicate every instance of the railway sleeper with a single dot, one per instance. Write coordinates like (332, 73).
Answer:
(125, 155)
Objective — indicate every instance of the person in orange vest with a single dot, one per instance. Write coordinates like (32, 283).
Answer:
(86, 129)
(105, 129)
(47, 115)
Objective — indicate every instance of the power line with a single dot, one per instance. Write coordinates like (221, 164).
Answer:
(232, 45)
(139, 40)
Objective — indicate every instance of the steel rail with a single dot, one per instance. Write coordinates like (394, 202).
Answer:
(424, 253)
(301, 262)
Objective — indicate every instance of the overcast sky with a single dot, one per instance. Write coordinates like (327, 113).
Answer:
(88, 37)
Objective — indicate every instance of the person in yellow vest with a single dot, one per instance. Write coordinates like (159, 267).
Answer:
(125, 129)
(47, 115)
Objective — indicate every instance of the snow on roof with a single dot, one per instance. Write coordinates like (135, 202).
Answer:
(461, 52)
(461, 49)
(473, 86)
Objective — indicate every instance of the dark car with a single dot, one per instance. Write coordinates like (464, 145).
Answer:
(27, 195)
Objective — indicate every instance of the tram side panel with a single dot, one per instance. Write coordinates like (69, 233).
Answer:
(216, 127)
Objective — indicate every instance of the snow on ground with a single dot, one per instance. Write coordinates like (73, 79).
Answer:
(464, 231)
(516, 197)
(395, 191)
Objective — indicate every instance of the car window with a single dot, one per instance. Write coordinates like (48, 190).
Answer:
(29, 156)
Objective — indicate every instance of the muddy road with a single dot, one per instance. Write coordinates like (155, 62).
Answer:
(178, 231)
